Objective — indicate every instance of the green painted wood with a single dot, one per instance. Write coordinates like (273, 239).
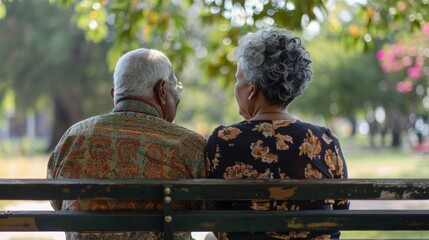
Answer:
(305, 220)
(50, 189)
(80, 221)
(306, 189)
(215, 189)
(217, 220)
(169, 217)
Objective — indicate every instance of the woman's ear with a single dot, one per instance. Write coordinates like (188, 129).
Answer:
(112, 93)
(253, 90)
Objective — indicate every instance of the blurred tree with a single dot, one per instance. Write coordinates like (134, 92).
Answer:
(402, 25)
(406, 66)
(344, 84)
(170, 26)
(380, 19)
(47, 63)
(165, 23)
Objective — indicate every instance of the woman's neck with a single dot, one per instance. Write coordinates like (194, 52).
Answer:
(271, 114)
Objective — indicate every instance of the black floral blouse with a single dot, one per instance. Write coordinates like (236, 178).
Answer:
(280, 149)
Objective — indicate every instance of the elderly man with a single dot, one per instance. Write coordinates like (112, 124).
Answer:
(136, 140)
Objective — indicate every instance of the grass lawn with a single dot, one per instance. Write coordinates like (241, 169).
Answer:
(362, 162)
(365, 162)
(387, 164)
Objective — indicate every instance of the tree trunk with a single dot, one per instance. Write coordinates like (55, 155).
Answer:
(397, 124)
(373, 130)
(67, 111)
(396, 138)
(352, 120)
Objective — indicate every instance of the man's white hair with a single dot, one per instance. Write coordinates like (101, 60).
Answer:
(137, 72)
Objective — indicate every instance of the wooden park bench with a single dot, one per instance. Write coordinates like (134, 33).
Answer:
(169, 191)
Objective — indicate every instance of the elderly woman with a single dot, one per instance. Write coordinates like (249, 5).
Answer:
(273, 68)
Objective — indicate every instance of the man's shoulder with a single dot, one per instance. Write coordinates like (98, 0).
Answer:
(86, 123)
(187, 133)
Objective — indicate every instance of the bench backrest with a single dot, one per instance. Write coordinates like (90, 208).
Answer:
(169, 191)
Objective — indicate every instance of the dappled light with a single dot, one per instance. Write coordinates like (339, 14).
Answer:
(370, 65)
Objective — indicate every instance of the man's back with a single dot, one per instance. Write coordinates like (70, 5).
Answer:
(131, 142)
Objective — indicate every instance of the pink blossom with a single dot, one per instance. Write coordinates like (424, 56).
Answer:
(398, 48)
(401, 6)
(425, 28)
(397, 66)
(380, 55)
(390, 57)
(386, 67)
(414, 72)
(412, 51)
(420, 61)
(407, 61)
(404, 87)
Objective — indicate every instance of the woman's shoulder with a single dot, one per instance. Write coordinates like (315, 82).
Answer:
(227, 130)
(275, 124)
(239, 125)
(301, 127)
(294, 127)
(308, 125)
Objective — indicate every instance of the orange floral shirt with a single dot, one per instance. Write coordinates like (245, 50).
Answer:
(131, 142)
(281, 149)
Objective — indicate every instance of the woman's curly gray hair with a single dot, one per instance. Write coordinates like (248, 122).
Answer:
(278, 61)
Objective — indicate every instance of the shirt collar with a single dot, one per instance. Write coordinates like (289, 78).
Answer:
(129, 105)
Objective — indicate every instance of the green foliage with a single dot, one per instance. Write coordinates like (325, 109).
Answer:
(344, 83)
(287, 13)
(381, 19)
(2, 10)
(196, 35)
(169, 25)
(131, 24)
(91, 18)
(45, 56)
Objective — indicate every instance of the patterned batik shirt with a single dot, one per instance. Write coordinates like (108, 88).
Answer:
(131, 142)
(280, 149)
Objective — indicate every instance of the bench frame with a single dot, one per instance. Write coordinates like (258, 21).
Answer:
(168, 191)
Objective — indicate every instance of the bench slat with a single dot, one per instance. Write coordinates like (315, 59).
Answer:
(168, 220)
(214, 189)
(233, 221)
(79, 221)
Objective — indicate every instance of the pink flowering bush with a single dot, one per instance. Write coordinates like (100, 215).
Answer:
(410, 55)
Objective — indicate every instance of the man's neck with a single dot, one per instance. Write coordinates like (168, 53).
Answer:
(148, 100)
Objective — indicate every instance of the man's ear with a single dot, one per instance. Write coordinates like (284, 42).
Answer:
(160, 92)
(253, 90)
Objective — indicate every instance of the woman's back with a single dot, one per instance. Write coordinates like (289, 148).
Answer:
(273, 68)
(279, 149)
